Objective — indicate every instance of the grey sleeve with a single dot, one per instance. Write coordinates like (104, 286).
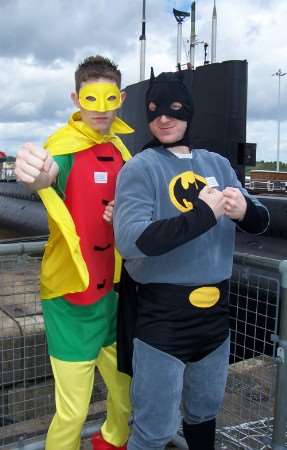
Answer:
(134, 206)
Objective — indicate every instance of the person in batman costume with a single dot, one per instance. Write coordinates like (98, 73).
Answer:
(176, 210)
(75, 176)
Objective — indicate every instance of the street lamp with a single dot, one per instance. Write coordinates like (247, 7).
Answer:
(278, 74)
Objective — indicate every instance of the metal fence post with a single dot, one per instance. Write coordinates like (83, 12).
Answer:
(280, 409)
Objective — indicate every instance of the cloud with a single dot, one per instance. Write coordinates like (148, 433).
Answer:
(41, 44)
(14, 134)
(265, 134)
(57, 28)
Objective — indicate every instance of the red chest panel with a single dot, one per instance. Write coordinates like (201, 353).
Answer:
(90, 186)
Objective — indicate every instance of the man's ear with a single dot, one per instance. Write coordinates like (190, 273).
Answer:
(75, 99)
(123, 96)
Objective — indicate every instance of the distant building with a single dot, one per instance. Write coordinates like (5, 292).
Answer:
(267, 181)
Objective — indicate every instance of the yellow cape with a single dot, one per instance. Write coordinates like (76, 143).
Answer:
(63, 267)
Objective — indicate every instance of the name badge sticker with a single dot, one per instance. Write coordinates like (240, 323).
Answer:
(100, 177)
(212, 182)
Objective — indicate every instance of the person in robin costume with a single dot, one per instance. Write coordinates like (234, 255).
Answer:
(176, 210)
(75, 176)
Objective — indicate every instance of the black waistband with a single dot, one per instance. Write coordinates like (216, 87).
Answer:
(175, 293)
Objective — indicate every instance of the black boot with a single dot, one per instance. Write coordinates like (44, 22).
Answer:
(200, 436)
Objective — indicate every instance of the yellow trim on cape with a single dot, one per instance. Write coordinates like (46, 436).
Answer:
(63, 267)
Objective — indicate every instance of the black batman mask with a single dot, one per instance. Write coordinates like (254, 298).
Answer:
(165, 94)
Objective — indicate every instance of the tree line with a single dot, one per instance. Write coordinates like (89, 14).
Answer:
(267, 165)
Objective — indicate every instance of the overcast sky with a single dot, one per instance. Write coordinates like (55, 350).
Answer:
(42, 41)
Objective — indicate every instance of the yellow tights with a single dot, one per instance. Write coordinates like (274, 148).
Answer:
(73, 388)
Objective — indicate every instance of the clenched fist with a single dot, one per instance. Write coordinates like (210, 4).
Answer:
(235, 203)
(35, 167)
(214, 199)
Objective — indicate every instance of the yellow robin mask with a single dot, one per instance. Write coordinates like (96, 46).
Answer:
(100, 97)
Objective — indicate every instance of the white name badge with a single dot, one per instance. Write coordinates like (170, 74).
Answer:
(101, 177)
(212, 181)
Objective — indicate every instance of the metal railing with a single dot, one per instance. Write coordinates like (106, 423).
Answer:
(254, 413)
(269, 186)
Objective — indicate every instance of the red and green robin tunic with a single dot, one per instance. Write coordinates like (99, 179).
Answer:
(88, 184)
(79, 323)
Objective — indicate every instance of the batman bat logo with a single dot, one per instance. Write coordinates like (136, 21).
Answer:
(184, 190)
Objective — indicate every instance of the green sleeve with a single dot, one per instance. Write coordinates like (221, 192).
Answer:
(65, 163)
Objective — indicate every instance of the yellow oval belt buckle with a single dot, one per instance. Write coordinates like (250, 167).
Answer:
(204, 297)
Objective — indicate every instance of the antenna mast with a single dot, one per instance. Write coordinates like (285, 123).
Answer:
(192, 36)
(180, 16)
(143, 45)
(213, 34)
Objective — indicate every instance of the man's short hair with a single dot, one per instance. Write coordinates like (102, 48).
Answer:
(96, 67)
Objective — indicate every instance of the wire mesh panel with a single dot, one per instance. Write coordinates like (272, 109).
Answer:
(246, 419)
(26, 383)
(27, 390)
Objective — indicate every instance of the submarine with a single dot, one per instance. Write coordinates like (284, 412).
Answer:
(219, 92)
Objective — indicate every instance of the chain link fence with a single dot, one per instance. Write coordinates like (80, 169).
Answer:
(247, 421)
(26, 383)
